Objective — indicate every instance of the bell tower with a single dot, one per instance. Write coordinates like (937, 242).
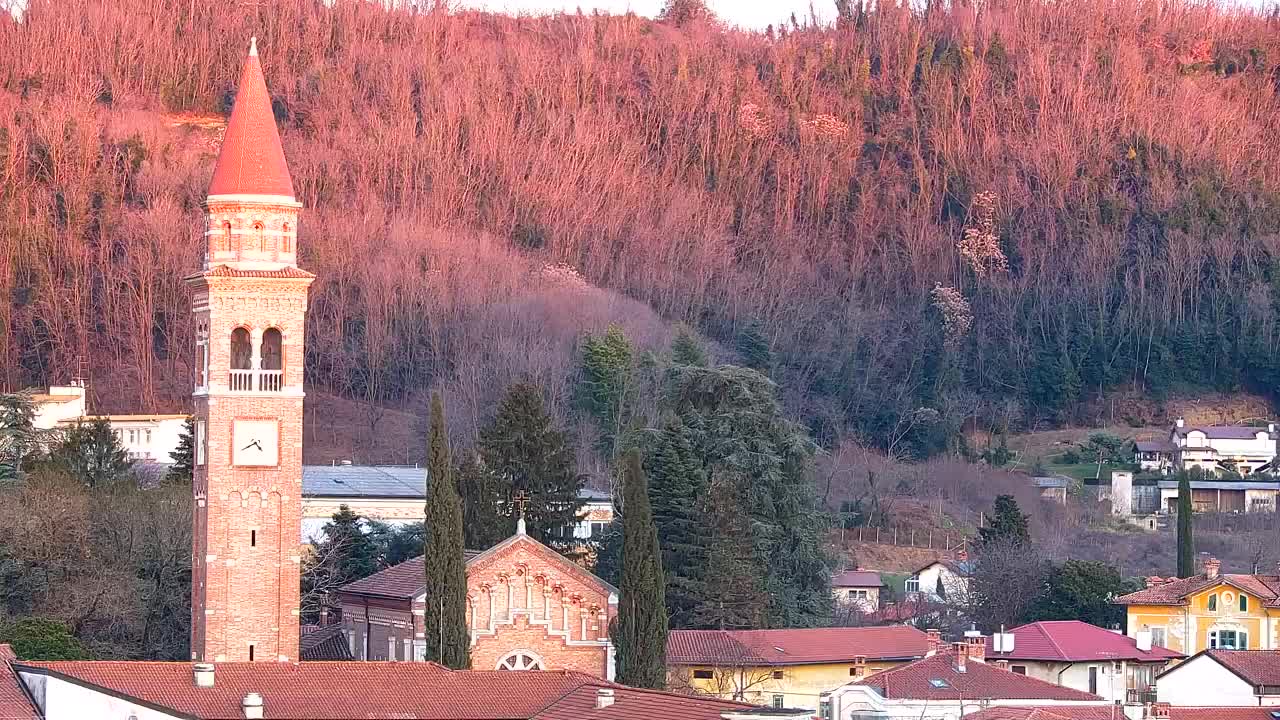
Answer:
(250, 304)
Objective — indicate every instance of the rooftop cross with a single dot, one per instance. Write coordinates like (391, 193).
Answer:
(521, 499)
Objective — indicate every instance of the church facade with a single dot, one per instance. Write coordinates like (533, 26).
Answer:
(250, 301)
(528, 608)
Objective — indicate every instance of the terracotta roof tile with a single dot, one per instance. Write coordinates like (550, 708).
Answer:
(14, 704)
(378, 691)
(404, 581)
(794, 647)
(1176, 592)
(936, 678)
(251, 161)
(857, 579)
(226, 271)
(1076, 641)
(1256, 667)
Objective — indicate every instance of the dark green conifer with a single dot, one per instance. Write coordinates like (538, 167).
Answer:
(641, 634)
(184, 455)
(677, 489)
(1186, 527)
(445, 603)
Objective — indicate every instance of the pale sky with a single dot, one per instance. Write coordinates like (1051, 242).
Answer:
(747, 13)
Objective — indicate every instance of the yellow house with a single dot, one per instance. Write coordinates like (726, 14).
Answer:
(787, 668)
(1207, 611)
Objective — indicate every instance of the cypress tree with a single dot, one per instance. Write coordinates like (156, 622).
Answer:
(445, 622)
(524, 450)
(1186, 538)
(641, 634)
(678, 493)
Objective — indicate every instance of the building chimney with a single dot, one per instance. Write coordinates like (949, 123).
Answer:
(1159, 711)
(977, 649)
(202, 674)
(1001, 664)
(604, 697)
(1271, 428)
(933, 642)
(961, 652)
(324, 615)
(962, 554)
(1211, 567)
(252, 706)
(1154, 580)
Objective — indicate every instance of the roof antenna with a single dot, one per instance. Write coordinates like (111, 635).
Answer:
(253, 46)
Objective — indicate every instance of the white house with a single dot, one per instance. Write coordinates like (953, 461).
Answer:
(947, 686)
(146, 437)
(860, 588)
(1085, 657)
(1228, 677)
(952, 576)
(1213, 447)
(394, 494)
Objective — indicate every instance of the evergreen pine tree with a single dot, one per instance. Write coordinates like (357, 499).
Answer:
(483, 523)
(1007, 521)
(607, 364)
(733, 594)
(641, 634)
(686, 350)
(1186, 531)
(445, 603)
(91, 453)
(525, 451)
(19, 439)
(347, 549)
(754, 348)
(184, 455)
(678, 489)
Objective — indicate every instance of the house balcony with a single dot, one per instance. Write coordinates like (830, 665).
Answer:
(256, 381)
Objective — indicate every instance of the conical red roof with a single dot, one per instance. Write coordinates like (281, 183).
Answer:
(252, 160)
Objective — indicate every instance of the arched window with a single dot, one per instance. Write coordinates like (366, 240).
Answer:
(272, 350)
(224, 243)
(285, 243)
(241, 350)
(258, 231)
(521, 660)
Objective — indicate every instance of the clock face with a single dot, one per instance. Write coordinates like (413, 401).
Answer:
(256, 443)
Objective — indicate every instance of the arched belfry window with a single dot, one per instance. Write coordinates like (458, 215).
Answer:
(272, 350)
(285, 243)
(260, 242)
(241, 350)
(224, 242)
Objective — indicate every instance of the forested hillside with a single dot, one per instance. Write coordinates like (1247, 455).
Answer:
(976, 213)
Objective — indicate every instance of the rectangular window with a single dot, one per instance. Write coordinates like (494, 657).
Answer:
(778, 701)
(702, 674)
(824, 709)
(199, 442)
(777, 675)
(1244, 603)
(1018, 669)
(1213, 603)
(253, 538)
(391, 647)
(408, 650)
(250, 653)
(597, 529)
(147, 435)
(1228, 640)
(856, 671)
(1158, 637)
(913, 584)
(351, 642)
(1093, 679)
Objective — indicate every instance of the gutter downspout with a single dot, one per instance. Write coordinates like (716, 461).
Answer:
(368, 630)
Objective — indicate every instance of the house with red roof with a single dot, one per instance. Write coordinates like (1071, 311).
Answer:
(857, 588)
(1227, 677)
(1157, 711)
(950, 683)
(1086, 657)
(110, 690)
(789, 667)
(1208, 611)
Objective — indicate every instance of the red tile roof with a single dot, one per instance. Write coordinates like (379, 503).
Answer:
(377, 691)
(857, 579)
(251, 161)
(936, 678)
(1256, 667)
(324, 643)
(14, 704)
(794, 647)
(1176, 592)
(1076, 641)
(226, 271)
